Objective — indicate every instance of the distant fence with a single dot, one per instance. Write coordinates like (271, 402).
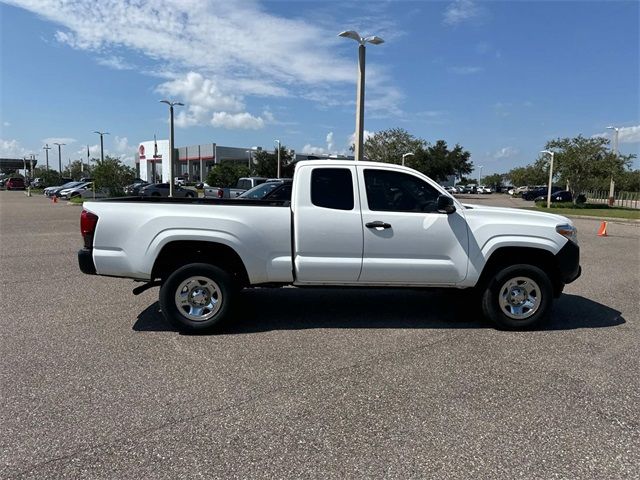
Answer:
(622, 199)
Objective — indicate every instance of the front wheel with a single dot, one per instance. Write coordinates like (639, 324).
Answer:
(518, 296)
(197, 297)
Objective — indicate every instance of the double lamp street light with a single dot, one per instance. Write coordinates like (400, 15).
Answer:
(171, 104)
(360, 88)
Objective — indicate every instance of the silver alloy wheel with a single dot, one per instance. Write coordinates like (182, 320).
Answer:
(198, 298)
(520, 298)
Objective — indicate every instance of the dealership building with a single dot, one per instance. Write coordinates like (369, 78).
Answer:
(194, 161)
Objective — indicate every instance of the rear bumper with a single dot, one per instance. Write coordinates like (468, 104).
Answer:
(568, 259)
(85, 261)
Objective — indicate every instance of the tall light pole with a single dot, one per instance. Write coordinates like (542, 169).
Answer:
(612, 184)
(102, 134)
(59, 155)
(360, 88)
(46, 149)
(277, 142)
(480, 175)
(405, 155)
(551, 154)
(171, 104)
(249, 160)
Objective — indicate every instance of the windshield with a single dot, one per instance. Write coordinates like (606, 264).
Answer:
(260, 191)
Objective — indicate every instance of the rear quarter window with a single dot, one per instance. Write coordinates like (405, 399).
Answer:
(332, 188)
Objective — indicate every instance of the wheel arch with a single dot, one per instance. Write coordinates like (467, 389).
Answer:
(178, 253)
(507, 256)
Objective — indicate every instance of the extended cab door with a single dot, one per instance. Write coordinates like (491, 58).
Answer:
(327, 224)
(406, 240)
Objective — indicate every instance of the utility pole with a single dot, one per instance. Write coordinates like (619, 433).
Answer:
(59, 155)
(612, 184)
(46, 149)
(278, 169)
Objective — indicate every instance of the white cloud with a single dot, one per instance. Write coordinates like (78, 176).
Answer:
(52, 140)
(12, 149)
(237, 120)
(330, 141)
(6, 124)
(462, 11)
(212, 54)
(115, 62)
(366, 134)
(121, 144)
(194, 89)
(506, 152)
(625, 134)
(466, 70)
(308, 148)
(94, 151)
(629, 134)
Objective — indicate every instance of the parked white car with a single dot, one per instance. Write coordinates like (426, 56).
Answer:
(76, 191)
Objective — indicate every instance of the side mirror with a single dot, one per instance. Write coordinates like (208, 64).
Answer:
(445, 204)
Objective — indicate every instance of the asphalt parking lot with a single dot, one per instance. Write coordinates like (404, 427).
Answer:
(309, 384)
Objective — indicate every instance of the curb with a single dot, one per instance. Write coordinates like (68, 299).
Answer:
(624, 221)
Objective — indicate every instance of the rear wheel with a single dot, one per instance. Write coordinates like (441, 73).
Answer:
(518, 296)
(197, 297)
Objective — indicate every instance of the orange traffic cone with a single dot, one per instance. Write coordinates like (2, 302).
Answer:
(602, 231)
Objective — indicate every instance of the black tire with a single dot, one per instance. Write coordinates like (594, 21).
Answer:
(155, 194)
(518, 297)
(208, 294)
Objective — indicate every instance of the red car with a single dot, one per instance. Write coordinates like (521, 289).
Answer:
(14, 183)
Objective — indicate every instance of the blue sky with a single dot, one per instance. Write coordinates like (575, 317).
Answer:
(500, 78)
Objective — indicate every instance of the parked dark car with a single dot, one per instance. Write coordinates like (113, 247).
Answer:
(533, 194)
(562, 196)
(162, 190)
(14, 183)
(271, 190)
(135, 187)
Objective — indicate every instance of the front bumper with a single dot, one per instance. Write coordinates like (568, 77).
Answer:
(85, 261)
(568, 259)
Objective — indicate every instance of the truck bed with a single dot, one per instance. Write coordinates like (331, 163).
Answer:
(197, 201)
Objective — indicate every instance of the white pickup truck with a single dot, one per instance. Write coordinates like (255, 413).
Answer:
(362, 224)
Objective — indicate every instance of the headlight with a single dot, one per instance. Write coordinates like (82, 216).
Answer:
(568, 231)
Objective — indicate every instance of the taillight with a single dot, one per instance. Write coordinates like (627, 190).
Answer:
(88, 222)
(220, 193)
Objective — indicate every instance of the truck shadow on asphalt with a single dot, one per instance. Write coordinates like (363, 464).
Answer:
(263, 310)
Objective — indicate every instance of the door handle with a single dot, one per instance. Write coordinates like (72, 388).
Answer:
(377, 224)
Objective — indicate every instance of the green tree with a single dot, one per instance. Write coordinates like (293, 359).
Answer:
(267, 163)
(113, 175)
(226, 174)
(49, 177)
(584, 163)
(75, 170)
(388, 146)
(629, 181)
(535, 174)
(494, 180)
(437, 161)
